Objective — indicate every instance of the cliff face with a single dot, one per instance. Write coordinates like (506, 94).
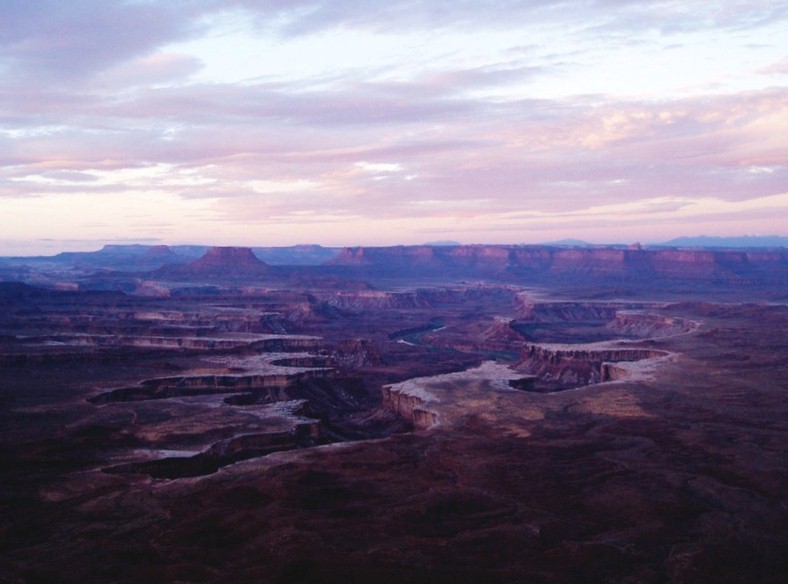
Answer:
(403, 257)
(589, 260)
(557, 263)
(354, 354)
(567, 366)
(365, 300)
(410, 407)
(533, 311)
(649, 325)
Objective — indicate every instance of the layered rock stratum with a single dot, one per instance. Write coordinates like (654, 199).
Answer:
(560, 263)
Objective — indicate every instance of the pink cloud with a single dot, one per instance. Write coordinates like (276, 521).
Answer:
(87, 90)
(72, 40)
(778, 68)
(149, 69)
(557, 154)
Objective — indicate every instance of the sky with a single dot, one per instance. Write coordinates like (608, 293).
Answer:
(383, 122)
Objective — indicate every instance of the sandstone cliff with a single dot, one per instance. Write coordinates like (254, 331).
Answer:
(586, 264)
(562, 366)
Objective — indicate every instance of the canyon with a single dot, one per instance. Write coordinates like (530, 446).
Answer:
(669, 269)
(489, 414)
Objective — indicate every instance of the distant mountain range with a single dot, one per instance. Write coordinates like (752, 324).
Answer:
(729, 242)
(569, 243)
(133, 268)
(702, 241)
(139, 257)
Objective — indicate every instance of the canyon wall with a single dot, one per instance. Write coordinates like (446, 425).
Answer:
(571, 366)
(540, 262)
(362, 300)
(410, 407)
(645, 325)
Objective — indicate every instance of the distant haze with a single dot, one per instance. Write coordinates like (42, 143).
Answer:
(744, 241)
(383, 123)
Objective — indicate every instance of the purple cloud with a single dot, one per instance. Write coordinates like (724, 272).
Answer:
(96, 100)
(72, 40)
(307, 16)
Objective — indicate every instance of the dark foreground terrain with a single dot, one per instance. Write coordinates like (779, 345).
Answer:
(353, 425)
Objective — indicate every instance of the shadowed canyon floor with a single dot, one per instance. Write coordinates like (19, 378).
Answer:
(475, 431)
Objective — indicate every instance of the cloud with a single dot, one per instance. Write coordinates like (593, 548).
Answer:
(555, 152)
(777, 68)
(69, 41)
(307, 16)
(165, 68)
(526, 113)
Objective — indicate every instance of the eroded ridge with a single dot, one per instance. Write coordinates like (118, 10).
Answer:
(540, 367)
(193, 385)
(562, 366)
(302, 432)
(285, 401)
(428, 401)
